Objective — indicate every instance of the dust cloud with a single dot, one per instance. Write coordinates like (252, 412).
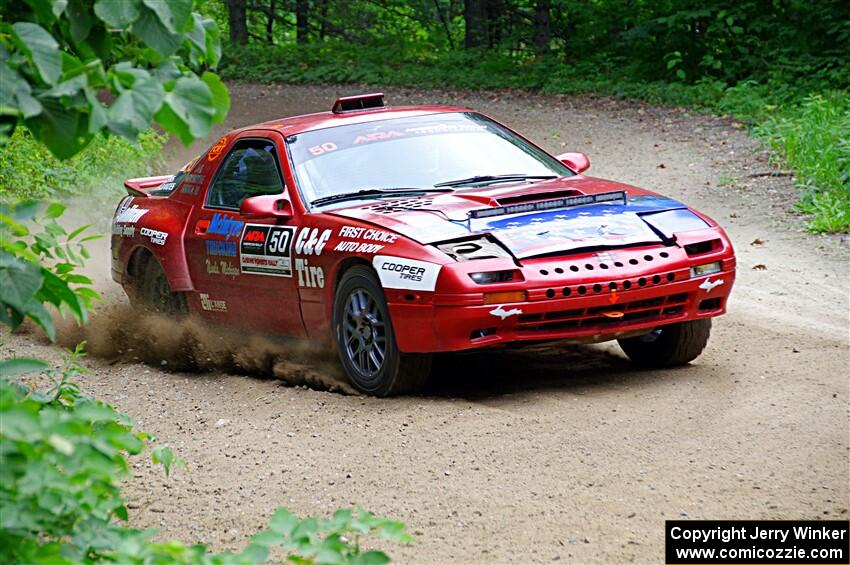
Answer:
(121, 333)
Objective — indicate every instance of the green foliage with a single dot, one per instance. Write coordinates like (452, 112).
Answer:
(60, 60)
(38, 259)
(29, 170)
(814, 139)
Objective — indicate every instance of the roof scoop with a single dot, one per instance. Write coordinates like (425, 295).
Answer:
(358, 103)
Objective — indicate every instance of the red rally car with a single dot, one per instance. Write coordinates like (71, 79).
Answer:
(396, 233)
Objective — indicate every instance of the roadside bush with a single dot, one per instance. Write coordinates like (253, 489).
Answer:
(29, 170)
(814, 139)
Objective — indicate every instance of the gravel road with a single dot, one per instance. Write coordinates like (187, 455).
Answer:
(557, 454)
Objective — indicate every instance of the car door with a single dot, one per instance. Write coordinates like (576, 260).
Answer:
(242, 268)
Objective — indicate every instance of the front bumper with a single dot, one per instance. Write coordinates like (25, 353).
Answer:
(600, 311)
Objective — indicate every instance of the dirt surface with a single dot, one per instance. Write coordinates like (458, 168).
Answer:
(569, 454)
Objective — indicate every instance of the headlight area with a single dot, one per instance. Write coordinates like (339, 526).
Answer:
(482, 265)
(706, 269)
(473, 249)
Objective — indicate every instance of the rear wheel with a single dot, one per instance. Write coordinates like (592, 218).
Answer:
(366, 342)
(155, 292)
(669, 346)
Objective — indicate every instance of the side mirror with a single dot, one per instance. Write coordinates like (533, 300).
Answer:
(265, 206)
(577, 162)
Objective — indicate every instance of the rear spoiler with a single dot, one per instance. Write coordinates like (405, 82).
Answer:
(141, 186)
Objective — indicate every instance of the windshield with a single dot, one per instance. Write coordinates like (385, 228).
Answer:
(416, 152)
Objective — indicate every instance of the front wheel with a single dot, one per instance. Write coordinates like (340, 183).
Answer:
(668, 346)
(366, 342)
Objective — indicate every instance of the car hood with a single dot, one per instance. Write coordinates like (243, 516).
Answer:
(645, 218)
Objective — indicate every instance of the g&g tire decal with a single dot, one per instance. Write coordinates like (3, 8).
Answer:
(266, 250)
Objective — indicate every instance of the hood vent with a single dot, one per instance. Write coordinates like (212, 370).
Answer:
(402, 205)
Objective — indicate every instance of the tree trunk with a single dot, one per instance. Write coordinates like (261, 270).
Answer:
(476, 23)
(302, 23)
(270, 17)
(542, 28)
(237, 17)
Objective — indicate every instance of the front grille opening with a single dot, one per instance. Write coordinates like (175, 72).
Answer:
(702, 247)
(485, 332)
(660, 309)
(709, 304)
(647, 303)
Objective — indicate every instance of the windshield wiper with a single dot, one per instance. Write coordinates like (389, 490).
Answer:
(358, 194)
(494, 178)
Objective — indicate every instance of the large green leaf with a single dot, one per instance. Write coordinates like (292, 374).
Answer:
(220, 97)
(62, 130)
(16, 95)
(97, 116)
(21, 366)
(213, 37)
(151, 30)
(188, 110)
(41, 49)
(19, 281)
(117, 13)
(174, 14)
(80, 19)
(46, 11)
(133, 110)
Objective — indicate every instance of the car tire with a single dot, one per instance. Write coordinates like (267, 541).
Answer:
(668, 346)
(156, 294)
(365, 340)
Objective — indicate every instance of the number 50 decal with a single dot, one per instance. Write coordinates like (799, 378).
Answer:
(278, 241)
(323, 148)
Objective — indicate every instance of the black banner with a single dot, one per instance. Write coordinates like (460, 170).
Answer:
(763, 542)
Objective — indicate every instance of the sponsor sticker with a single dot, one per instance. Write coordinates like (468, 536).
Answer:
(368, 234)
(311, 242)
(222, 268)
(130, 215)
(216, 150)
(309, 276)
(266, 250)
(358, 247)
(226, 248)
(211, 305)
(408, 274)
(123, 231)
(500, 312)
(225, 225)
(708, 285)
(157, 237)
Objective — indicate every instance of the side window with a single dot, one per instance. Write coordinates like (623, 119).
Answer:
(250, 169)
